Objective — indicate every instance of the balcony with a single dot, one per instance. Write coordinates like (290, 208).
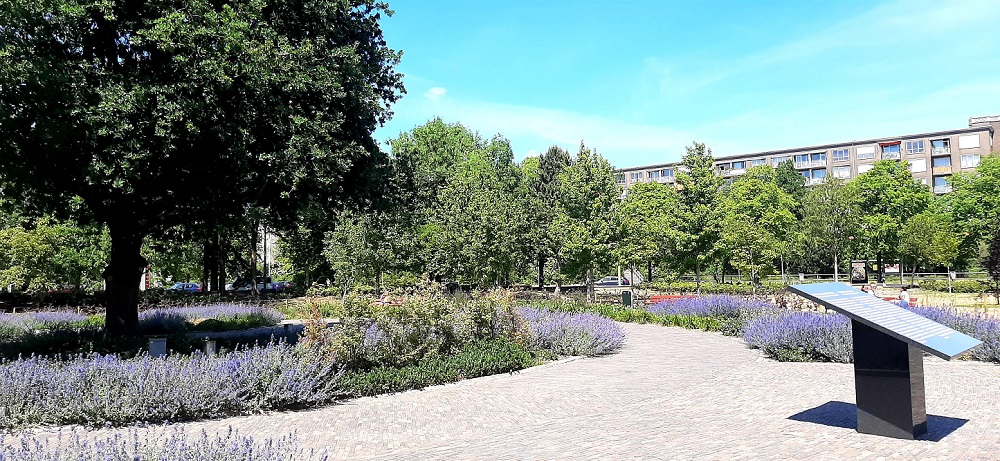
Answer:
(737, 171)
(941, 170)
(890, 155)
(940, 151)
(815, 181)
(942, 189)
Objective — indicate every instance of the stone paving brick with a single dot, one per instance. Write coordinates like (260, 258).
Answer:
(669, 393)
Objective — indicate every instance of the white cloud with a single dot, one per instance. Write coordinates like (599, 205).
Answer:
(435, 93)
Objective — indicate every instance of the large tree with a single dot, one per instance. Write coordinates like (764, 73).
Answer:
(647, 224)
(755, 220)
(584, 226)
(151, 115)
(541, 184)
(885, 197)
(698, 230)
(830, 221)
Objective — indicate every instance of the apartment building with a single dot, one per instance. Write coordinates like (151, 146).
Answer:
(932, 157)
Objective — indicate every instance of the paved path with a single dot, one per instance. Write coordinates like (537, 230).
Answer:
(669, 394)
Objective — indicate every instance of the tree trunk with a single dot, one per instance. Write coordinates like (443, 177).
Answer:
(878, 261)
(649, 271)
(697, 277)
(948, 269)
(206, 264)
(590, 285)
(836, 272)
(122, 276)
(541, 272)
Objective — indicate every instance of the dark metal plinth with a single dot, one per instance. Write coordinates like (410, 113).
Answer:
(889, 380)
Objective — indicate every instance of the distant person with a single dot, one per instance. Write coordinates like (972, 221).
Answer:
(904, 297)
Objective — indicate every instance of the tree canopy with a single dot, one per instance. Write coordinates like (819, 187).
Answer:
(188, 112)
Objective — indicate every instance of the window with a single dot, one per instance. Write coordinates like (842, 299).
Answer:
(941, 185)
(968, 142)
(918, 165)
(819, 157)
(864, 167)
(866, 152)
(938, 162)
(842, 172)
(890, 151)
(779, 160)
(805, 174)
(652, 175)
(758, 162)
(620, 178)
(841, 155)
(667, 173)
(914, 147)
(940, 146)
(635, 176)
(801, 160)
(970, 160)
(737, 166)
(819, 174)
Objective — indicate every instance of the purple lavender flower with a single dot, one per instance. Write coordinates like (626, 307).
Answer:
(572, 334)
(811, 334)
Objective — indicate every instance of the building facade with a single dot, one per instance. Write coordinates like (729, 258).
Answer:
(932, 157)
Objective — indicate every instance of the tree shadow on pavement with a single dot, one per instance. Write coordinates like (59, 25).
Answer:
(845, 415)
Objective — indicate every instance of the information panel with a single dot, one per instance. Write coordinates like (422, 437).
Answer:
(889, 318)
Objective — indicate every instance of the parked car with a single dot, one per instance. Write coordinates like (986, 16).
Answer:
(611, 281)
(185, 287)
(282, 286)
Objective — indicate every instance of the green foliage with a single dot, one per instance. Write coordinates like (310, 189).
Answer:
(363, 247)
(928, 238)
(648, 225)
(957, 286)
(481, 358)
(699, 230)
(975, 198)
(793, 183)
(584, 225)
(755, 220)
(991, 261)
(50, 256)
(886, 197)
(682, 287)
(830, 220)
(149, 116)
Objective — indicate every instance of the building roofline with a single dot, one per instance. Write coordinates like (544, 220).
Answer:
(971, 129)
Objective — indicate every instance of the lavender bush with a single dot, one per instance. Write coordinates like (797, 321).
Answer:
(231, 316)
(160, 445)
(12, 325)
(567, 333)
(98, 390)
(799, 336)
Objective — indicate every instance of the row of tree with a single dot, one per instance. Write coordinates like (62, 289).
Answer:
(465, 211)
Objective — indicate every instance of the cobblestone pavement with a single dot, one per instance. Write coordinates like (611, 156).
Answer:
(669, 394)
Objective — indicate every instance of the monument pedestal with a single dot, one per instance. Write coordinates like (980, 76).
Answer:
(889, 381)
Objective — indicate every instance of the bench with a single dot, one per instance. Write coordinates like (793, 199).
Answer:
(656, 299)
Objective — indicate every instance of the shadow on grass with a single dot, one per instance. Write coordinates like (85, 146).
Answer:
(845, 415)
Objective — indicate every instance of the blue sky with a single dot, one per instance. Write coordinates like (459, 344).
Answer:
(640, 80)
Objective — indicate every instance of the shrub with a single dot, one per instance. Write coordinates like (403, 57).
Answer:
(957, 286)
(481, 358)
(801, 336)
(226, 316)
(572, 333)
(711, 287)
(172, 445)
(96, 390)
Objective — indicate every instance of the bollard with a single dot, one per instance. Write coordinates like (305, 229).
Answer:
(209, 347)
(157, 347)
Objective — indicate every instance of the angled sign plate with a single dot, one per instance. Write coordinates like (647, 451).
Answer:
(889, 318)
